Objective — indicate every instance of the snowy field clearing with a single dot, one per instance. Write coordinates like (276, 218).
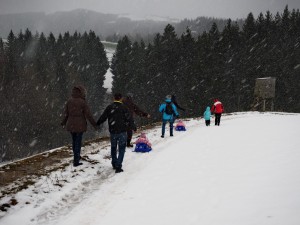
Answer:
(245, 172)
(110, 48)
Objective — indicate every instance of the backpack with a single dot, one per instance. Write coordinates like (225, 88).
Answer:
(169, 109)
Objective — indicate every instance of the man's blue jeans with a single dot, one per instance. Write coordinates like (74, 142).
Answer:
(164, 127)
(118, 141)
(76, 144)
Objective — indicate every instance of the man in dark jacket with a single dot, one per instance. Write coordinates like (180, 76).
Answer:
(75, 115)
(134, 109)
(119, 121)
(173, 99)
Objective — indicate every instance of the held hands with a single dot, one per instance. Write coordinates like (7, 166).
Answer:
(134, 129)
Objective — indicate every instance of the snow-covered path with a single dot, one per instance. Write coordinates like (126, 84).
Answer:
(246, 171)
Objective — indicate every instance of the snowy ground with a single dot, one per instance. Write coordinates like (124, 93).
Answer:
(246, 171)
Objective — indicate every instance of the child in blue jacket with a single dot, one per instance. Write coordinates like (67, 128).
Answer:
(207, 115)
(169, 111)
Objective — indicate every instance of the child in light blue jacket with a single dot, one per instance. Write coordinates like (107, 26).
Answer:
(207, 115)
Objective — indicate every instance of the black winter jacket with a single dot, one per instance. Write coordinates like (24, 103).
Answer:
(119, 118)
(173, 99)
(133, 108)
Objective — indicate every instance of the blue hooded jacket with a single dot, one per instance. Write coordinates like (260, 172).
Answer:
(162, 109)
(207, 113)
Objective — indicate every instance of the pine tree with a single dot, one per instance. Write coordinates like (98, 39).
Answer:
(170, 58)
(120, 66)
(11, 60)
(188, 88)
(216, 62)
(2, 64)
(230, 90)
(155, 85)
(94, 70)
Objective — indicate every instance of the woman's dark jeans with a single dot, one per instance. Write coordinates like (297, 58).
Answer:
(76, 144)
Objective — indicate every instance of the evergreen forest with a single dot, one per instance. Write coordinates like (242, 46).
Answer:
(37, 73)
(222, 64)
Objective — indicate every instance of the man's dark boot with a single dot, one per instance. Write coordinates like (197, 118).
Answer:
(129, 145)
(77, 164)
(119, 170)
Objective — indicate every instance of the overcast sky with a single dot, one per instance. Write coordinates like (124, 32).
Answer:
(168, 8)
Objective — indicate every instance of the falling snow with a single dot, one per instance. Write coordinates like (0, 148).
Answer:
(33, 143)
(297, 66)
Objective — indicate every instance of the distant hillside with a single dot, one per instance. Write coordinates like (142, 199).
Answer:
(201, 24)
(78, 20)
(108, 26)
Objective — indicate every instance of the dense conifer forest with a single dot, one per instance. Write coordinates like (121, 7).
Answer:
(37, 73)
(219, 64)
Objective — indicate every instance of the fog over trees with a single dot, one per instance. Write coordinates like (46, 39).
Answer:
(110, 27)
